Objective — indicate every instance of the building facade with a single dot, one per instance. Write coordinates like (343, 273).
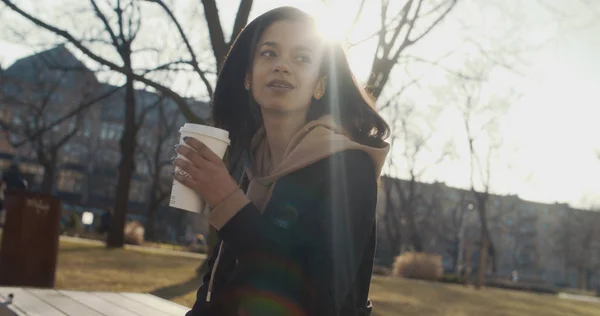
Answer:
(551, 243)
(38, 90)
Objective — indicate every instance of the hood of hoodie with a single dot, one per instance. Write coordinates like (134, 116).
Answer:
(315, 141)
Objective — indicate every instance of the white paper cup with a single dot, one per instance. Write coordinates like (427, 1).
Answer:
(214, 138)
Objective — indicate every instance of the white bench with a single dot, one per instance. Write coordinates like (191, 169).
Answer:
(51, 302)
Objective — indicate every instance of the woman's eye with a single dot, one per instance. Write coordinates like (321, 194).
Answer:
(303, 59)
(268, 53)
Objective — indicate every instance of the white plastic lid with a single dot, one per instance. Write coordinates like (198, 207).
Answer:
(209, 131)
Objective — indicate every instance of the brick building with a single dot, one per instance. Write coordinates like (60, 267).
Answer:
(40, 89)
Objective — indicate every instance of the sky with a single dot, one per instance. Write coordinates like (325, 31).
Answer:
(550, 132)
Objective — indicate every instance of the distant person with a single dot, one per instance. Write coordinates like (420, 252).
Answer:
(298, 236)
(105, 221)
(12, 179)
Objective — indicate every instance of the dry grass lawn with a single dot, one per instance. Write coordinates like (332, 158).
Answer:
(88, 267)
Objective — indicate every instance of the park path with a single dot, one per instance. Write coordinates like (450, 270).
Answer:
(583, 298)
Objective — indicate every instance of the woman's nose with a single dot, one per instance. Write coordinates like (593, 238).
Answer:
(281, 66)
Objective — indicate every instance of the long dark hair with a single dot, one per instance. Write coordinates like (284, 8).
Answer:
(235, 111)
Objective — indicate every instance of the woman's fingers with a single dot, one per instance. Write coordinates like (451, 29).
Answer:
(185, 180)
(186, 168)
(192, 155)
(202, 149)
(198, 168)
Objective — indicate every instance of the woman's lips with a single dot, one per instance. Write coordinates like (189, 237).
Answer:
(280, 85)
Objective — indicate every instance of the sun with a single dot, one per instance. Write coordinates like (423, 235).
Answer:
(331, 28)
(336, 22)
(331, 25)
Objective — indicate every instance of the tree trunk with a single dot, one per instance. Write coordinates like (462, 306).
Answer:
(468, 256)
(415, 238)
(456, 256)
(408, 203)
(392, 224)
(150, 229)
(156, 199)
(49, 174)
(126, 169)
(483, 250)
(491, 249)
(581, 278)
(380, 74)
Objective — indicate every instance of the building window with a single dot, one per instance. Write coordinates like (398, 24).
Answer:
(70, 181)
(13, 138)
(111, 131)
(17, 119)
(73, 153)
(3, 114)
(87, 129)
(141, 167)
(72, 124)
(104, 131)
(137, 191)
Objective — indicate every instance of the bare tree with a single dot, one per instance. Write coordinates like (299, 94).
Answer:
(157, 159)
(483, 167)
(399, 31)
(220, 44)
(45, 115)
(578, 242)
(450, 227)
(391, 217)
(121, 30)
(413, 132)
(481, 111)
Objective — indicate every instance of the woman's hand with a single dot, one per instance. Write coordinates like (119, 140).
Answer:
(208, 175)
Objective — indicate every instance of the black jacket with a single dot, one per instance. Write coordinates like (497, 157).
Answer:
(310, 252)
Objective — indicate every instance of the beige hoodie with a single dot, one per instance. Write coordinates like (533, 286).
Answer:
(315, 141)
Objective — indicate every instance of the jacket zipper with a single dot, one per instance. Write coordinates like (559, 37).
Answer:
(214, 269)
(213, 272)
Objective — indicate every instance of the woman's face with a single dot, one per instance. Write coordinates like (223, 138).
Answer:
(286, 68)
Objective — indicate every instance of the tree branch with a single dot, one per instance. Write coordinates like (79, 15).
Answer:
(241, 19)
(194, 62)
(217, 38)
(181, 102)
(109, 30)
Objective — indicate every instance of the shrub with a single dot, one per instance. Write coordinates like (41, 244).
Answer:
(420, 266)
(134, 233)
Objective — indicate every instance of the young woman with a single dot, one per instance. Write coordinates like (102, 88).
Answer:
(297, 231)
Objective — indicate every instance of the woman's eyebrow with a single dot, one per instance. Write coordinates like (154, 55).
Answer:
(302, 48)
(270, 44)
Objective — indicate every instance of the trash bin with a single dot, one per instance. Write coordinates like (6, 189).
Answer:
(29, 250)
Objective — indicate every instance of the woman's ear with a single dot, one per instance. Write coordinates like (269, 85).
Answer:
(320, 88)
(247, 82)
